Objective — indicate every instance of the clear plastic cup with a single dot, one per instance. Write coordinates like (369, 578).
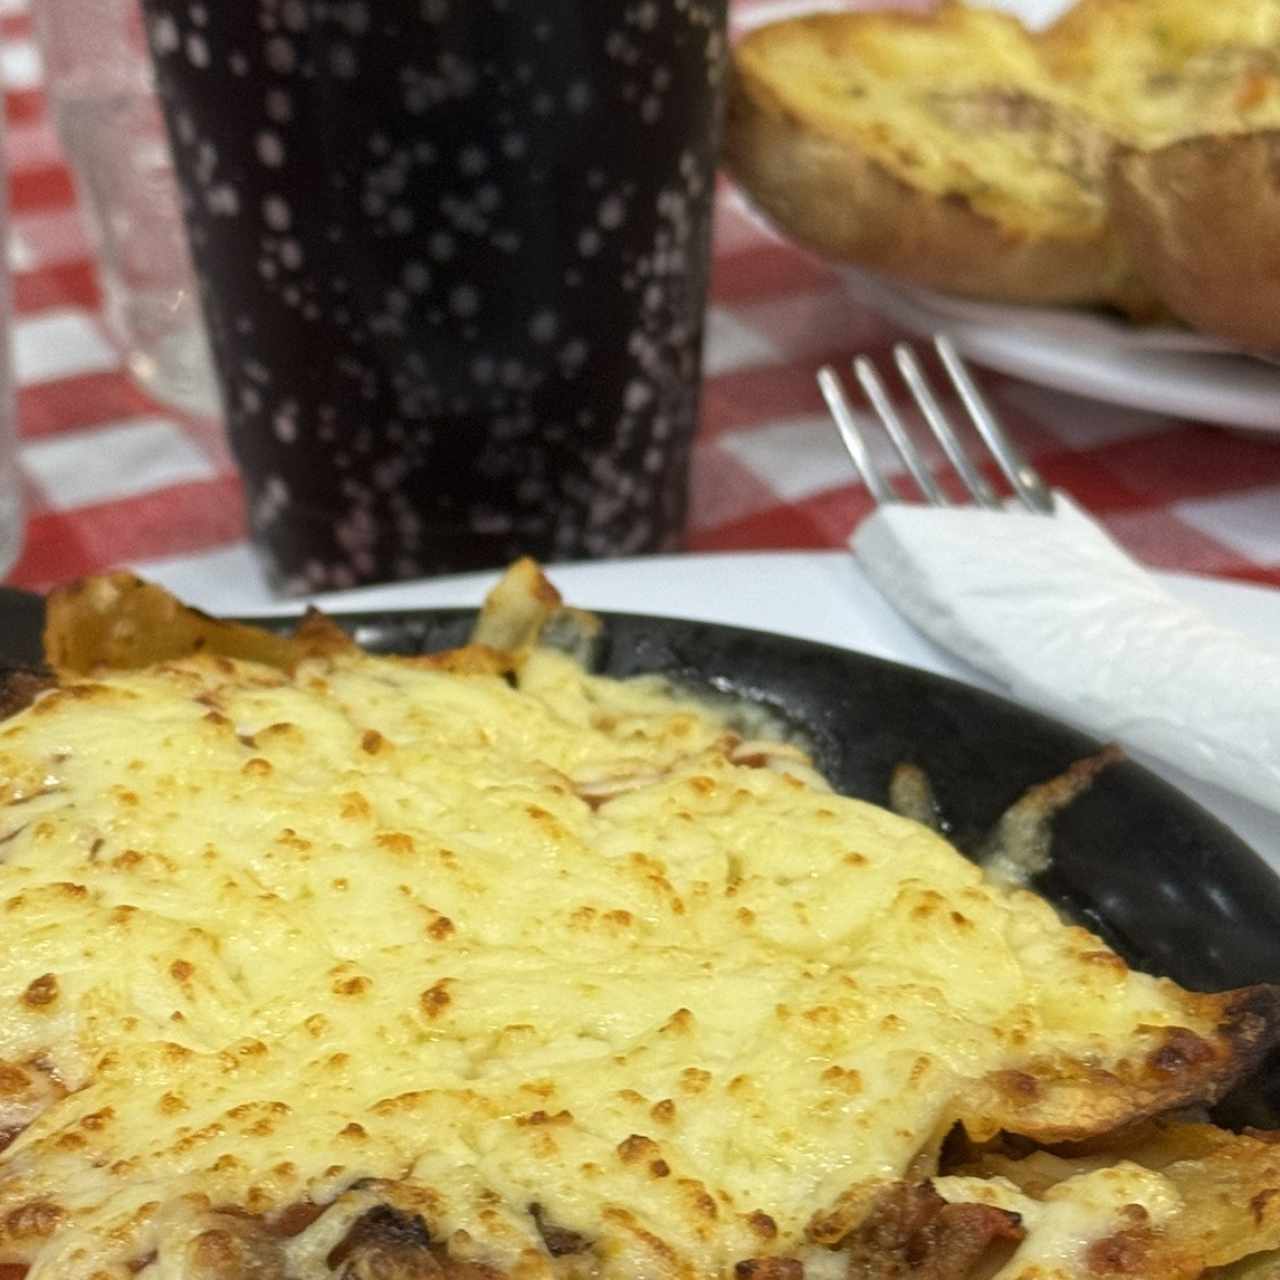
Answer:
(11, 513)
(101, 93)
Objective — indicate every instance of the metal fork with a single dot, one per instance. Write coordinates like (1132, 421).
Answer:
(1025, 481)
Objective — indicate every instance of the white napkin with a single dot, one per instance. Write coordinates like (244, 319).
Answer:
(1060, 614)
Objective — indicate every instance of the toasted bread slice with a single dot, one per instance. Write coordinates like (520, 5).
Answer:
(1156, 71)
(1200, 216)
(1195, 195)
(932, 147)
(959, 151)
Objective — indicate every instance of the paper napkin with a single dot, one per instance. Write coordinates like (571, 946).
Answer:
(1056, 611)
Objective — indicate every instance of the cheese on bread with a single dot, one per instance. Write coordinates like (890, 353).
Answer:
(956, 150)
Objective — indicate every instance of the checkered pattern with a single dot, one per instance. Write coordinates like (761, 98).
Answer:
(114, 478)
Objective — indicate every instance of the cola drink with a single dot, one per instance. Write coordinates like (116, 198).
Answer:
(453, 257)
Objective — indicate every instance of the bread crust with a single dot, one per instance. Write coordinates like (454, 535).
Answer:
(1149, 128)
(838, 201)
(1072, 1101)
(1200, 217)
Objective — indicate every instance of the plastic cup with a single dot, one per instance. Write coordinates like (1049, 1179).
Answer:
(453, 256)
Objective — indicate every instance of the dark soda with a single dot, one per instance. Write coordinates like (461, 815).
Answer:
(453, 256)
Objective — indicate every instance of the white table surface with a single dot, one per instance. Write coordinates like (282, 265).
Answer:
(816, 595)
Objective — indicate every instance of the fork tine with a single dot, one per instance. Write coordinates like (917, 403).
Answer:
(875, 391)
(842, 412)
(1025, 479)
(913, 374)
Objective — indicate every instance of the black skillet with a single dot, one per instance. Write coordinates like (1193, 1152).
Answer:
(1170, 887)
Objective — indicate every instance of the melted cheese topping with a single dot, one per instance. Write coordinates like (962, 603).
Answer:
(1157, 72)
(958, 105)
(267, 938)
(1073, 1217)
(1023, 126)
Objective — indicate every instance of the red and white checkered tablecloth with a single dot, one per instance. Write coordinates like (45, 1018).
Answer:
(113, 478)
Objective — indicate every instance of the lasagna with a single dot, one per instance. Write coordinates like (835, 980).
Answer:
(479, 966)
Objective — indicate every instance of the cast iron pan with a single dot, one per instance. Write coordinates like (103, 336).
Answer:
(1170, 887)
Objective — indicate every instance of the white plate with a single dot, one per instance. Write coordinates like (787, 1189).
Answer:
(1171, 371)
(818, 595)
(756, 13)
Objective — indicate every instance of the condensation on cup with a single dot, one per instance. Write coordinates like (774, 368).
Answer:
(455, 259)
(100, 88)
